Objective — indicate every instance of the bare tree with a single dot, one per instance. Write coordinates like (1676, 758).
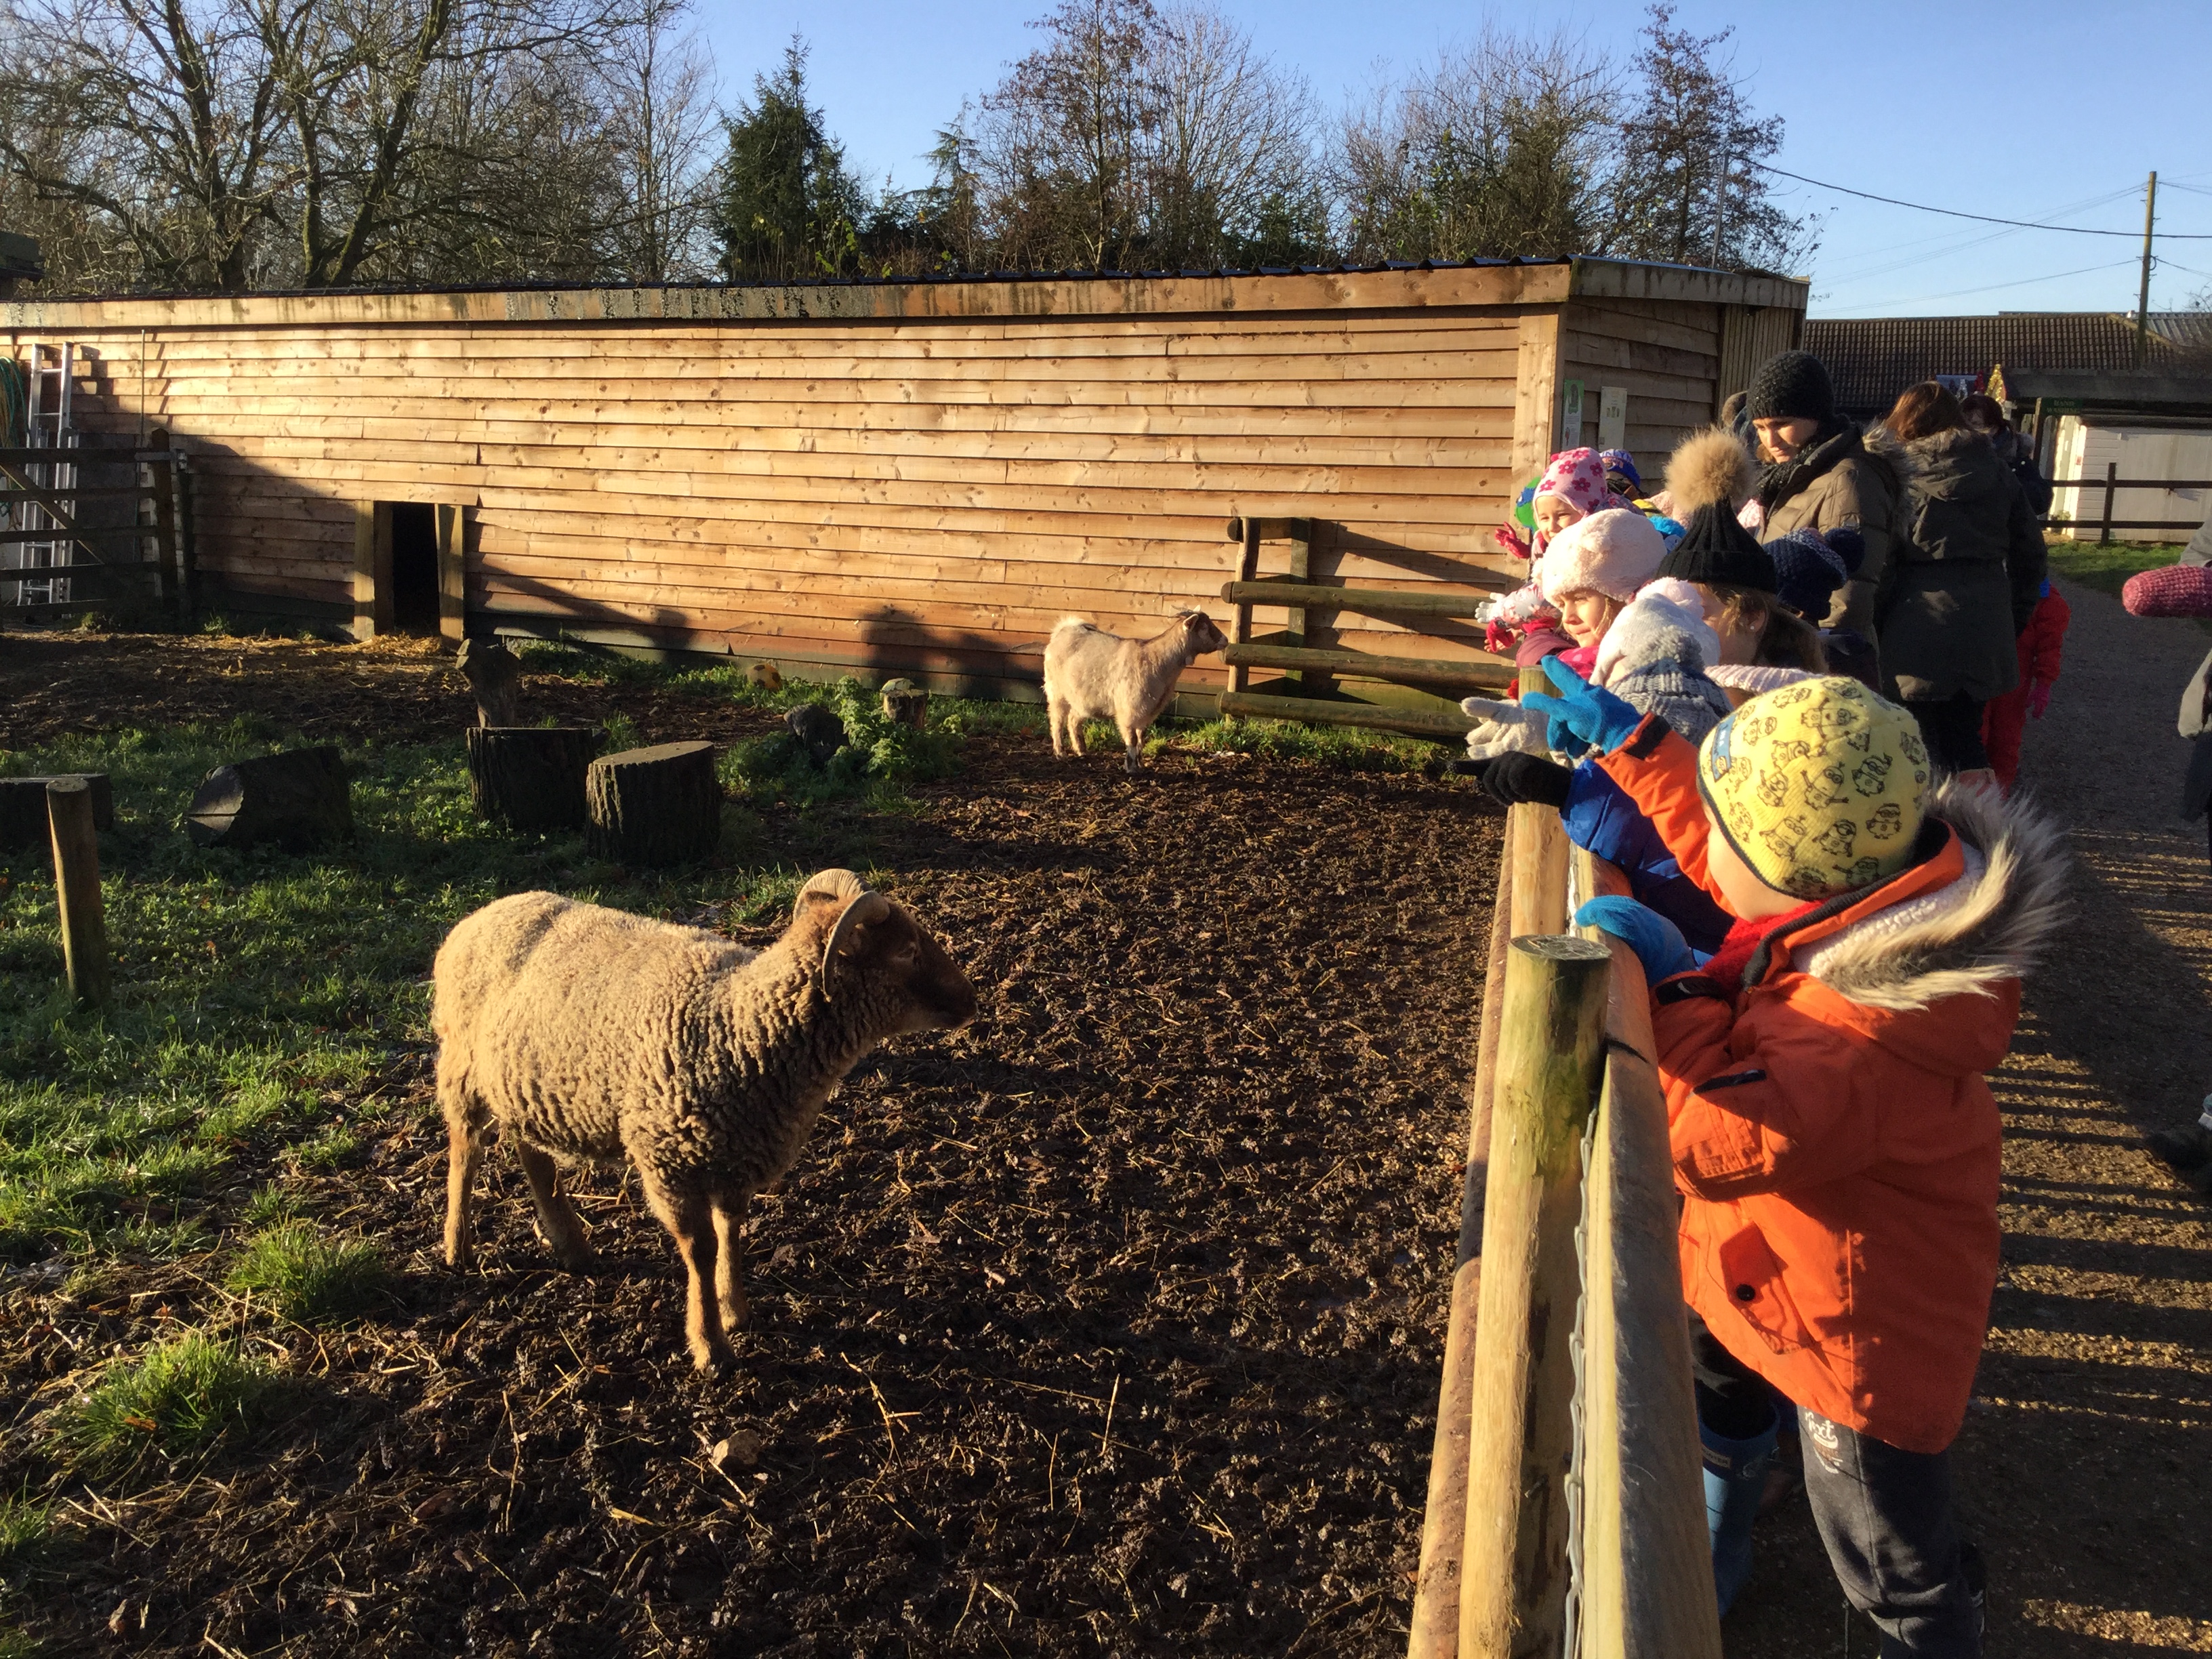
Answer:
(1504, 148)
(235, 143)
(661, 119)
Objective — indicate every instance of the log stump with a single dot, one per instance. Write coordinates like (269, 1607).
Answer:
(530, 777)
(23, 808)
(655, 806)
(299, 800)
(495, 675)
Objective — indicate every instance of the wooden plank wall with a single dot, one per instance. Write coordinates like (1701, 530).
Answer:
(915, 480)
(1664, 353)
(890, 496)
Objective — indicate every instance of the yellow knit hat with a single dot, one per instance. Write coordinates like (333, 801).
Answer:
(1817, 785)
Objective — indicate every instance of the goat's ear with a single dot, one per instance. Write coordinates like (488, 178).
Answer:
(844, 939)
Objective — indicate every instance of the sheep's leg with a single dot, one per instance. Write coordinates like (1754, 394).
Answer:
(690, 1218)
(556, 1216)
(462, 1155)
(730, 1260)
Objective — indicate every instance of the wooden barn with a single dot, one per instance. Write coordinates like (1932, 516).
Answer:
(912, 477)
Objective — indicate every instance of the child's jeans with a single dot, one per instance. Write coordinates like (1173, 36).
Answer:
(1884, 1514)
(1886, 1517)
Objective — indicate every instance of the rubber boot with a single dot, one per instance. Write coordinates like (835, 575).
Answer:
(1735, 1478)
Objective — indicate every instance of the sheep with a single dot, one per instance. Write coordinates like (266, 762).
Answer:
(1090, 674)
(590, 1034)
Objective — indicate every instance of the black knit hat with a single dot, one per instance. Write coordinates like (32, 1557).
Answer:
(1715, 548)
(1794, 385)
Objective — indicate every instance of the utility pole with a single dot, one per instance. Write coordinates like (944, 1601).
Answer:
(2142, 295)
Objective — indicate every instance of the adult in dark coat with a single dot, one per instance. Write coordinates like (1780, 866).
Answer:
(1820, 474)
(1964, 577)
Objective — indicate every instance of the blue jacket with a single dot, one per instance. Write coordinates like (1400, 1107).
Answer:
(1600, 815)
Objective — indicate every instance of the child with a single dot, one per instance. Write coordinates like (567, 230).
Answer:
(1651, 650)
(2004, 717)
(1571, 488)
(1834, 1143)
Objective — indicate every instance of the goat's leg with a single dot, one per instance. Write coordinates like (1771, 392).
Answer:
(556, 1216)
(462, 1155)
(690, 1218)
(1132, 744)
(1055, 713)
(730, 1262)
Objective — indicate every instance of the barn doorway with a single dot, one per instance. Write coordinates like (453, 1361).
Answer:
(407, 568)
(414, 567)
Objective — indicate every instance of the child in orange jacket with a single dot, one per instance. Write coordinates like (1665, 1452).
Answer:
(2004, 718)
(1834, 1142)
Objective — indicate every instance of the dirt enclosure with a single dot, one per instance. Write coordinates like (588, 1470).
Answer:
(1112, 1324)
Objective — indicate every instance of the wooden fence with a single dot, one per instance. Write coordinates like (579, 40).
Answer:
(1566, 1506)
(2111, 483)
(118, 538)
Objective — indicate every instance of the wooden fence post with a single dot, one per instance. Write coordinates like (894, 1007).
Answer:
(76, 888)
(1647, 1564)
(1513, 1583)
(1540, 844)
(2111, 485)
(453, 580)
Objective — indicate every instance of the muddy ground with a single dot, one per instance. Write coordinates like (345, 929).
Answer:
(1112, 1324)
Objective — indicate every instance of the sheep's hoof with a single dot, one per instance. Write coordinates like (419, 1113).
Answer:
(716, 1361)
(576, 1259)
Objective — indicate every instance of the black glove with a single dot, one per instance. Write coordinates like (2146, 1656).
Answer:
(1517, 777)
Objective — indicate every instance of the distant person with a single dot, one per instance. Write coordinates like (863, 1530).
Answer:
(2041, 646)
(1820, 474)
(1966, 574)
(1985, 417)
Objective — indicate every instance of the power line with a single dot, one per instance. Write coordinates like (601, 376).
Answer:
(1954, 213)
(1991, 288)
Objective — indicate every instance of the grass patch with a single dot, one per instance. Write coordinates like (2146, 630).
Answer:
(178, 1400)
(271, 1203)
(25, 1525)
(878, 757)
(2106, 566)
(1347, 748)
(330, 1147)
(312, 1279)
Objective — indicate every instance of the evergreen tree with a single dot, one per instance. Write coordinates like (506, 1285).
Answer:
(789, 209)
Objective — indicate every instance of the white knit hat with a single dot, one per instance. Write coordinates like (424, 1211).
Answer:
(1614, 552)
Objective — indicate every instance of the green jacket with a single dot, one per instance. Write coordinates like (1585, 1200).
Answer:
(1964, 576)
(1839, 481)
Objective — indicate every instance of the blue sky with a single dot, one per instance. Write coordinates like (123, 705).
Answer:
(1960, 104)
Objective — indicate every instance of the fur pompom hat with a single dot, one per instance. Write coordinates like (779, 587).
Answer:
(1709, 476)
(1614, 552)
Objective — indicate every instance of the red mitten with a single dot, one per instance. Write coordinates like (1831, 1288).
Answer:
(1510, 542)
(2173, 590)
(2039, 698)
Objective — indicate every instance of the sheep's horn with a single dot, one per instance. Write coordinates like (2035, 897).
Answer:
(836, 884)
(866, 907)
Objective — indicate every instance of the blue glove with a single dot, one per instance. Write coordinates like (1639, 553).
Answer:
(1657, 942)
(1582, 715)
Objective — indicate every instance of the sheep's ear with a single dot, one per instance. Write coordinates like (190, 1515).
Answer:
(867, 908)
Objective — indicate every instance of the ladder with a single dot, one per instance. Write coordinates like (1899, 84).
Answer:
(49, 373)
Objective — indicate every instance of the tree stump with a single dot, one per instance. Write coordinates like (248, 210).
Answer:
(530, 777)
(299, 800)
(658, 805)
(495, 675)
(905, 704)
(23, 808)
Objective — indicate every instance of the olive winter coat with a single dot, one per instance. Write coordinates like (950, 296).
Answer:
(1964, 577)
(1838, 482)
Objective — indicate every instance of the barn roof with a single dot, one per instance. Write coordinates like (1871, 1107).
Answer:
(1871, 359)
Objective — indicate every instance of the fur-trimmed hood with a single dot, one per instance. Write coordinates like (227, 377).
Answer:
(1991, 925)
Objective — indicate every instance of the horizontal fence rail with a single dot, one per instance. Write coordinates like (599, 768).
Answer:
(2111, 483)
(1525, 1550)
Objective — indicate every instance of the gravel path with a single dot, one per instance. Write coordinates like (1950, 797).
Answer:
(2083, 1465)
